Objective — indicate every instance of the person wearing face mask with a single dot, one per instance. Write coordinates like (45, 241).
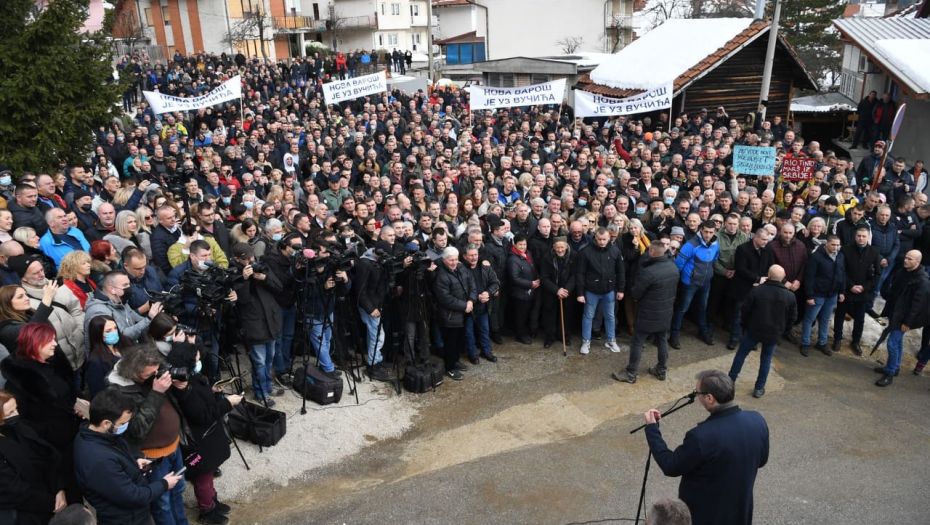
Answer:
(30, 492)
(40, 377)
(156, 424)
(112, 298)
(179, 252)
(6, 185)
(203, 408)
(106, 347)
(108, 469)
(280, 263)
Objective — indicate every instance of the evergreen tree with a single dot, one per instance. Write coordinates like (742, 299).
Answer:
(807, 25)
(55, 84)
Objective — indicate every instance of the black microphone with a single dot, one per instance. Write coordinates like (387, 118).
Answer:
(692, 395)
(210, 264)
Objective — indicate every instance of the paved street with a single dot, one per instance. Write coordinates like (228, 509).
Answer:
(541, 439)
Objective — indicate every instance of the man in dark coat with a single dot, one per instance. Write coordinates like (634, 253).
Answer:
(752, 262)
(455, 294)
(107, 469)
(557, 273)
(824, 286)
(24, 209)
(601, 279)
(654, 288)
(486, 285)
(767, 310)
(165, 234)
(863, 271)
(907, 308)
(865, 122)
(719, 458)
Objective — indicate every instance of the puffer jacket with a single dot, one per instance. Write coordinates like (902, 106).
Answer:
(259, 312)
(696, 260)
(655, 288)
(68, 319)
(600, 270)
(452, 291)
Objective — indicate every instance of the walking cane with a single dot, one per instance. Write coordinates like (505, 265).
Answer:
(562, 318)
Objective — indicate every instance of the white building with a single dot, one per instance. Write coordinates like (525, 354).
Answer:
(477, 30)
(381, 24)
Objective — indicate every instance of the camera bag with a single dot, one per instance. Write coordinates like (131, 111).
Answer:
(424, 376)
(257, 424)
(317, 386)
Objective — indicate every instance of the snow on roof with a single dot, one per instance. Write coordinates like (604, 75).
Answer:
(822, 103)
(582, 58)
(871, 9)
(910, 57)
(661, 55)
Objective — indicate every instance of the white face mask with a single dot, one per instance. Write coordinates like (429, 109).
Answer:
(202, 265)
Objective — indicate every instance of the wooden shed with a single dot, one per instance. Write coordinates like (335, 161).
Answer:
(714, 62)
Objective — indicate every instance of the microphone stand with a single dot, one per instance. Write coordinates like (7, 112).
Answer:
(642, 492)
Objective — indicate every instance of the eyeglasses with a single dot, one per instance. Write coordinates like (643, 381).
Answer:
(696, 393)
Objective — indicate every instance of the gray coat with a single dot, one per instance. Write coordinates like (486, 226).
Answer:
(655, 288)
(130, 323)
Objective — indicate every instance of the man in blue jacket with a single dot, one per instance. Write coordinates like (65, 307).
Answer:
(695, 262)
(719, 458)
(110, 475)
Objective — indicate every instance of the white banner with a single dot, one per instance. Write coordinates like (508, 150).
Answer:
(592, 105)
(354, 88)
(161, 103)
(508, 97)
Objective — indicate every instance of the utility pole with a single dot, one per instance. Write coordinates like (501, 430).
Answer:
(429, 38)
(769, 61)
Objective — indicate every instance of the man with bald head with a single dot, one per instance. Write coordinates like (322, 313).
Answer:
(767, 312)
(9, 249)
(907, 308)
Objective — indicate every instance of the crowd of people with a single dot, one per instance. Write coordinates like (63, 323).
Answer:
(402, 225)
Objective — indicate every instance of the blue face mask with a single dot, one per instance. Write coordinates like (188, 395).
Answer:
(227, 200)
(582, 203)
(248, 204)
(6, 180)
(669, 200)
(198, 367)
(610, 182)
(535, 162)
(675, 187)
(640, 211)
(169, 339)
(111, 338)
(276, 237)
(120, 429)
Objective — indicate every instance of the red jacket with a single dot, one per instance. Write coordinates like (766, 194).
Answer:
(793, 258)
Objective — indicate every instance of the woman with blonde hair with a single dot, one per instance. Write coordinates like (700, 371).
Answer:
(126, 234)
(122, 197)
(75, 275)
(29, 240)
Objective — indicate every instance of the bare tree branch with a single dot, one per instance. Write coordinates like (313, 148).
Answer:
(570, 44)
(255, 25)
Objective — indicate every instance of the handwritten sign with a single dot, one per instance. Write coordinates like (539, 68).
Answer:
(162, 103)
(508, 97)
(797, 169)
(592, 105)
(754, 160)
(353, 88)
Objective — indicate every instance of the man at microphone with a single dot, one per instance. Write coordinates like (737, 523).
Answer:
(719, 458)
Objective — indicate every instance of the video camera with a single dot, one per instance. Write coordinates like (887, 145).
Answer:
(213, 285)
(172, 301)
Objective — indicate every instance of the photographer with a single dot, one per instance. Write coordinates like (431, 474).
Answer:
(260, 318)
(204, 408)
(280, 261)
(372, 291)
(199, 261)
(190, 233)
(413, 299)
(109, 472)
(329, 283)
(156, 425)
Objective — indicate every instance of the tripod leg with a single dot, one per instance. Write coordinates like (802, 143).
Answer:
(236, 444)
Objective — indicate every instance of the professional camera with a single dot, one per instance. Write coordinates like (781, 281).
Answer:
(259, 267)
(178, 373)
(171, 301)
(211, 286)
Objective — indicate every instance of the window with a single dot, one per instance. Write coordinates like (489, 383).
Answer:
(414, 10)
(148, 17)
(395, 9)
(380, 40)
(538, 79)
(507, 80)
(166, 16)
(382, 8)
(392, 39)
(415, 40)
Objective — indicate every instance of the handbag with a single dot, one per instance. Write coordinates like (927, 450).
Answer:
(257, 424)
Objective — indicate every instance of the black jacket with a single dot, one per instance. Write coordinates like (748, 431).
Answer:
(29, 478)
(31, 217)
(863, 268)
(768, 310)
(162, 239)
(909, 300)
(655, 288)
(282, 269)
(485, 281)
(372, 287)
(824, 277)
(540, 246)
(259, 312)
(220, 234)
(750, 266)
(204, 410)
(845, 229)
(496, 254)
(111, 480)
(600, 270)
(452, 291)
(558, 272)
(717, 462)
(520, 274)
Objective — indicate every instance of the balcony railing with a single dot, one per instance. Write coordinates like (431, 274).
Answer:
(296, 24)
(358, 22)
(620, 22)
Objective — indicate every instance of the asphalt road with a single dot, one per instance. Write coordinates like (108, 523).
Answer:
(542, 439)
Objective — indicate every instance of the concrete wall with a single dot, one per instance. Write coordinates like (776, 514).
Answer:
(584, 18)
(348, 8)
(213, 25)
(458, 20)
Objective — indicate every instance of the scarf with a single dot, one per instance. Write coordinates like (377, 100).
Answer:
(523, 255)
(643, 243)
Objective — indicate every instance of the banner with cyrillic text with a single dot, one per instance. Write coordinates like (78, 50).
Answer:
(353, 88)
(161, 103)
(509, 97)
(593, 105)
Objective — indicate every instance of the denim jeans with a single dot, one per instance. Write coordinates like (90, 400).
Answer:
(606, 302)
(822, 311)
(747, 343)
(375, 337)
(169, 508)
(262, 357)
(322, 345)
(895, 349)
(689, 293)
(282, 356)
(479, 323)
